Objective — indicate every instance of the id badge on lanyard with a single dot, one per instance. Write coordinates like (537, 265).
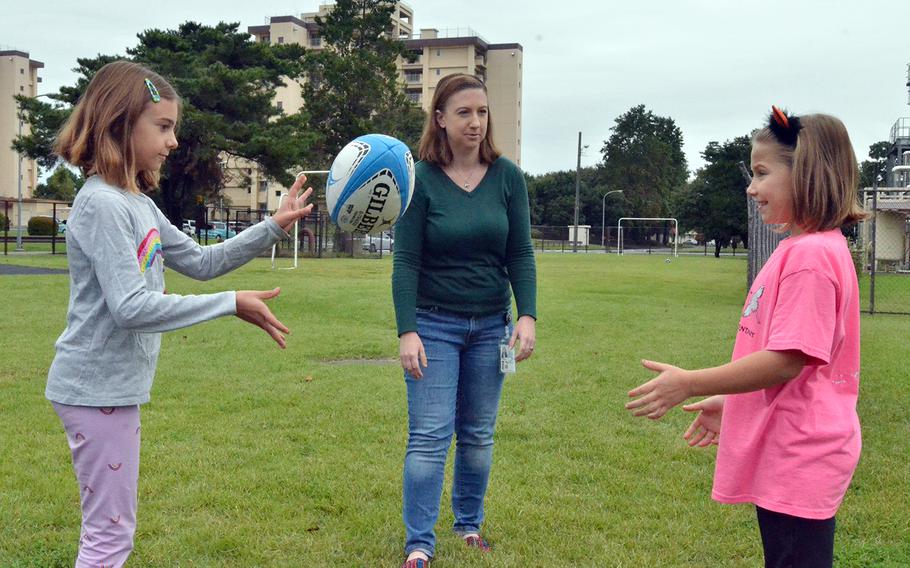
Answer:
(506, 355)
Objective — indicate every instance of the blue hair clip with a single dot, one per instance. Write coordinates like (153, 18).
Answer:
(156, 96)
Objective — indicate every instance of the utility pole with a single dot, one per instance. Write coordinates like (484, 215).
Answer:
(19, 247)
(577, 186)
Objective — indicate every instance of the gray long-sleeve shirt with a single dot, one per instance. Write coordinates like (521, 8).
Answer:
(118, 244)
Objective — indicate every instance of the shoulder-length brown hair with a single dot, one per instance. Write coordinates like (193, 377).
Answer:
(97, 136)
(823, 173)
(434, 144)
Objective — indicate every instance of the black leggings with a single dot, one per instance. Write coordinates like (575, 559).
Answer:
(794, 542)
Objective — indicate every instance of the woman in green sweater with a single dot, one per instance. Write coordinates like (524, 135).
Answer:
(461, 249)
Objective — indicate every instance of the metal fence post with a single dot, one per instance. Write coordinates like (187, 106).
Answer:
(874, 261)
(54, 228)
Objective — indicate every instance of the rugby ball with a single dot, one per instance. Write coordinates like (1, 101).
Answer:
(370, 184)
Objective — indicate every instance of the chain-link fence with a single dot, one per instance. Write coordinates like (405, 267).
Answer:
(637, 238)
(882, 251)
(43, 230)
(317, 236)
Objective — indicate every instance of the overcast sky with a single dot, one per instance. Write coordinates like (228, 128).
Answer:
(714, 66)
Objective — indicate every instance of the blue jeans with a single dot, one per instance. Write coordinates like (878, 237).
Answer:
(459, 393)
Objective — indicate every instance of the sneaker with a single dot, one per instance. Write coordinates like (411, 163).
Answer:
(474, 541)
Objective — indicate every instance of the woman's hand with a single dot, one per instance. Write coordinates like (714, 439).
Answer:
(251, 308)
(661, 393)
(525, 332)
(705, 429)
(411, 353)
(294, 207)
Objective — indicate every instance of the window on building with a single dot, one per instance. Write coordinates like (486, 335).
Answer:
(414, 97)
(22, 71)
(315, 41)
(437, 72)
(280, 39)
(438, 52)
(278, 193)
(263, 185)
(280, 105)
(21, 88)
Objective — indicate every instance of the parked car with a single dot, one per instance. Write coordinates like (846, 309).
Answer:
(61, 226)
(189, 227)
(219, 231)
(373, 243)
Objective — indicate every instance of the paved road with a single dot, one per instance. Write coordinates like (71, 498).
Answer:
(16, 270)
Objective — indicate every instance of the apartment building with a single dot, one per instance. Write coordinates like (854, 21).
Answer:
(434, 54)
(18, 76)
(437, 53)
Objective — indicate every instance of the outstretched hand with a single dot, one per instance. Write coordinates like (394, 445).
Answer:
(661, 393)
(294, 207)
(251, 308)
(705, 429)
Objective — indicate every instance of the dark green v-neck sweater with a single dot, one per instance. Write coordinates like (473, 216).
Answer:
(460, 251)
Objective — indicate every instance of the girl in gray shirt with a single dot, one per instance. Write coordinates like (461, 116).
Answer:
(118, 243)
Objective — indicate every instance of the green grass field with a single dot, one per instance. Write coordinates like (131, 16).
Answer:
(253, 456)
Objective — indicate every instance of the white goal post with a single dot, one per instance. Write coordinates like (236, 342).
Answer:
(675, 231)
(296, 235)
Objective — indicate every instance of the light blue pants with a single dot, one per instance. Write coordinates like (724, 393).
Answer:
(458, 394)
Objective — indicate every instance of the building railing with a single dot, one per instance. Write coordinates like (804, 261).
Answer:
(452, 33)
(901, 129)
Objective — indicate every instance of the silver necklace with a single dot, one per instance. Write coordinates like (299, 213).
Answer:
(468, 181)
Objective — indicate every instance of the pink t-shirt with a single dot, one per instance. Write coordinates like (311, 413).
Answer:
(793, 448)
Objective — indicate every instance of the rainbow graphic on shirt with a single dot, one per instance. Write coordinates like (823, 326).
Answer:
(149, 249)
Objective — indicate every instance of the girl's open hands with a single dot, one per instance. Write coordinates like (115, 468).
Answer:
(251, 308)
(705, 429)
(661, 393)
(294, 207)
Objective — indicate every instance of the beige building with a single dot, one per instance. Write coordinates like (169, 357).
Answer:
(436, 53)
(440, 53)
(18, 76)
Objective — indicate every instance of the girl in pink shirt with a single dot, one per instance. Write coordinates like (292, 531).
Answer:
(784, 410)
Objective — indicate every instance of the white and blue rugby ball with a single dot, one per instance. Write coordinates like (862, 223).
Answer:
(370, 184)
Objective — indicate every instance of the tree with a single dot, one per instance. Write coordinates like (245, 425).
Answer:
(644, 158)
(876, 165)
(353, 86)
(226, 83)
(714, 202)
(62, 185)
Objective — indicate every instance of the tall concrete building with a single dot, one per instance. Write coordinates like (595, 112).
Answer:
(435, 54)
(438, 53)
(18, 76)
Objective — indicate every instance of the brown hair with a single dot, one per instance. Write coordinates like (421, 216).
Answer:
(434, 144)
(97, 136)
(823, 173)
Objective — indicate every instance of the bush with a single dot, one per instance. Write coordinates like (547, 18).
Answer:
(4, 223)
(42, 226)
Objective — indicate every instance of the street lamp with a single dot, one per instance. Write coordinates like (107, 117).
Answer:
(19, 247)
(603, 216)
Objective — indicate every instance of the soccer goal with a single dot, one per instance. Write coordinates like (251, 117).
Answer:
(296, 235)
(651, 235)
